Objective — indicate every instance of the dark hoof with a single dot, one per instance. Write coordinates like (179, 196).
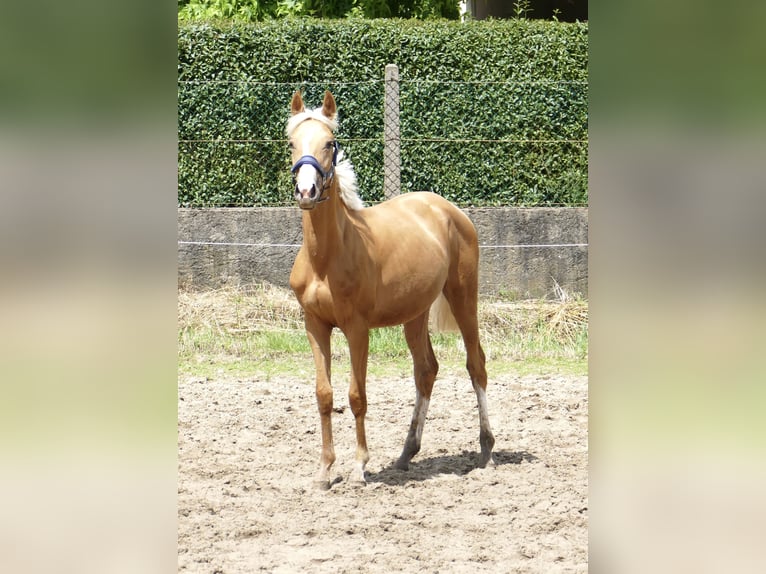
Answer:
(487, 462)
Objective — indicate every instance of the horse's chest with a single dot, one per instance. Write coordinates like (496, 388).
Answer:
(317, 299)
(333, 297)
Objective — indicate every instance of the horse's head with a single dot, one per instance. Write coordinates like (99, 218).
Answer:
(314, 149)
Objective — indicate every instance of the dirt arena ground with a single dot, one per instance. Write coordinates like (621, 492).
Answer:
(248, 450)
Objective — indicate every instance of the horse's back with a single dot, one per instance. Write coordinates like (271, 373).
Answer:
(426, 214)
(422, 205)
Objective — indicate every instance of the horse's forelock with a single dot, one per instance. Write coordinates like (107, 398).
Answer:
(315, 114)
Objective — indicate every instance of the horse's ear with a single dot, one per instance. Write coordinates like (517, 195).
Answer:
(296, 106)
(328, 106)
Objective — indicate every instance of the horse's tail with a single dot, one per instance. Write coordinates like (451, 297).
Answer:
(442, 319)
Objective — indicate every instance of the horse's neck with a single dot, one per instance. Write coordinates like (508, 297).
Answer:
(323, 229)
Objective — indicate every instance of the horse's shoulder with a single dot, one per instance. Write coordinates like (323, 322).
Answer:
(301, 273)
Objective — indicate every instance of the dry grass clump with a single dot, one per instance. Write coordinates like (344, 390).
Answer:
(559, 321)
(566, 320)
(240, 310)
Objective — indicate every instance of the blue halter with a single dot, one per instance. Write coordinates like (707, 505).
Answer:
(312, 161)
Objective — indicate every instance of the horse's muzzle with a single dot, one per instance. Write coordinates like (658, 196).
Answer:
(306, 199)
(306, 204)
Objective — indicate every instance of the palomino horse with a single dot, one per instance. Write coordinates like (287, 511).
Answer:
(360, 268)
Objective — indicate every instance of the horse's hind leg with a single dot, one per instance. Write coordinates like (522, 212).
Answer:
(425, 369)
(464, 306)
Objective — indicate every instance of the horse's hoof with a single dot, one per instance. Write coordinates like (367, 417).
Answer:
(355, 479)
(402, 464)
(487, 461)
(322, 484)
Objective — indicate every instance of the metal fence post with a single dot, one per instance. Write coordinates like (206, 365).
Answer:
(391, 151)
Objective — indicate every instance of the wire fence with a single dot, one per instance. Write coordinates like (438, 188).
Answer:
(476, 143)
(297, 245)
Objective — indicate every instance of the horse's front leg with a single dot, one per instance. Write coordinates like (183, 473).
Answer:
(318, 334)
(358, 343)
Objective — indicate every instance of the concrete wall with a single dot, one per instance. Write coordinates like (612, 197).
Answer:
(271, 237)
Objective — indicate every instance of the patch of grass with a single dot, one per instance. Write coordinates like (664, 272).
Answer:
(259, 331)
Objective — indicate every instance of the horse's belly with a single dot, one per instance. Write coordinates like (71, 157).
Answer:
(411, 279)
(399, 304)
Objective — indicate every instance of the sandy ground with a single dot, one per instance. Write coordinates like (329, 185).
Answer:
(248, 450)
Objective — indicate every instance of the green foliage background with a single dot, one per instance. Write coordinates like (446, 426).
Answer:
(257, 10)
(492, 112)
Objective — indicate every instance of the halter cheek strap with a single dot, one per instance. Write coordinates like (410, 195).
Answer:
(312, 161)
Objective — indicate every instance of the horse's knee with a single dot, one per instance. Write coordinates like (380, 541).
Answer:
(324, 400)
(358, 402)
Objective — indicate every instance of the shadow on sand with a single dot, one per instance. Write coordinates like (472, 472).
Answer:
(458, 464)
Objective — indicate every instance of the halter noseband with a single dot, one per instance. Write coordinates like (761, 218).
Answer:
(312, 161)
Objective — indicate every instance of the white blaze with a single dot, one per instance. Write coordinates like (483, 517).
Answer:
(306, 175)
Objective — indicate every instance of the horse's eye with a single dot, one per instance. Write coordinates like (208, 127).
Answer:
(329, 145)
(290, 145)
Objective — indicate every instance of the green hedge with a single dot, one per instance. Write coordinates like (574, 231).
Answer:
(509, 96)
